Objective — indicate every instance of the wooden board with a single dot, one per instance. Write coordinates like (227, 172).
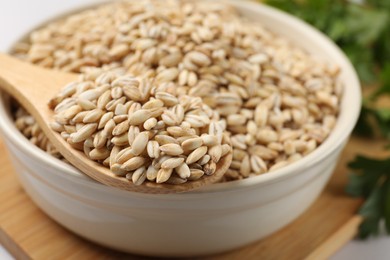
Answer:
(28, 233)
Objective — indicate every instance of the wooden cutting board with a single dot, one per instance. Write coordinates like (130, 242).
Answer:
(28, 233)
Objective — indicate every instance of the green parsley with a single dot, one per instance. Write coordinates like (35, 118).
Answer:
(361, 29)
(371, 181)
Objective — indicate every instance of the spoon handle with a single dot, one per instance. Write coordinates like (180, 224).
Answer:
(31, 85)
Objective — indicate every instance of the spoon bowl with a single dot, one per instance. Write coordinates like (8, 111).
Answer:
(33, 87)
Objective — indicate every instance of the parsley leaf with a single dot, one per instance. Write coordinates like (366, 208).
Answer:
(386, 205)
(368, 173)
(363, 125)
(372, 213)
(380, 117)
(385, 82)
(371, 180)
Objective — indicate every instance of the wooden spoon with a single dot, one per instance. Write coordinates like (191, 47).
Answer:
(33, 87)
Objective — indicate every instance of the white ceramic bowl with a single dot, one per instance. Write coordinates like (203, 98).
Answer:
(218, 218)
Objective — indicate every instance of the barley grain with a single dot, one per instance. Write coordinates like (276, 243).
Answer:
(139, 176)
(117, 170)
(172, 163)
(99, 154)
(215, 153)
(196, 154)
(133, 163)
(150, 123)
(140, 142)
(163, 175)
(151, 173)
(171, 149)
(84, 133)
(195, 174)
(121, 128)
(192, 144)
(210, 168)
(257, 164)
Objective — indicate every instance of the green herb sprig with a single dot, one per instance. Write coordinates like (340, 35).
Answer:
(372, 181)
(361, 29)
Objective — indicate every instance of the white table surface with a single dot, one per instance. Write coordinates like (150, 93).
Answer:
(17, 16)
(4, 255)
(374, 249)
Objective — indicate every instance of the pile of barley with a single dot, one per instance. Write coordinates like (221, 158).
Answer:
(279, 102)
(27, 125)
(140, 130)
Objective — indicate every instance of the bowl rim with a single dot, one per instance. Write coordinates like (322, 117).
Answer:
(336, 138)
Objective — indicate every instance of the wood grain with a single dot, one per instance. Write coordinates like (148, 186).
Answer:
(28, 233)
(347, 232)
